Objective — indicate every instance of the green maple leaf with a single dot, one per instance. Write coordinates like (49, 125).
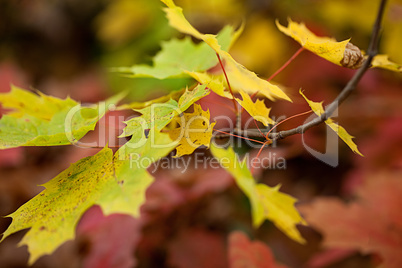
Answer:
(41, 120)
(113, 182)
(266, 202)
(178, 56)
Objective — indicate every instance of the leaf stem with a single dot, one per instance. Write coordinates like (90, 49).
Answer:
(237, 136)
(227, 81)
(350, 86)
(286, 63)
(280, 70)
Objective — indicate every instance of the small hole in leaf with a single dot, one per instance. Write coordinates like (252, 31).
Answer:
(146, 132)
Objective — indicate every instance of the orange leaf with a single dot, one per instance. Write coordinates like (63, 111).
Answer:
(243, 253)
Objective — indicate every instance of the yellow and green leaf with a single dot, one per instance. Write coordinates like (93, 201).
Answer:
(213, 82)
(158, 115)
(116, 183)
(175, 95)
(266, 202)
(178, 56)
(41, 120)
(240, 78)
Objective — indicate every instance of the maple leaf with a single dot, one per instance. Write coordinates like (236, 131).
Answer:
(160, 114)
(177, 20)
(382, 61)
(341, 53)
(214, 82)
(178, 56)
(175, 95)
(122, 233)
(194, 131)
(256, 109)
(116, 183)
(157, 115)
(41, 120)
(243, 253)
(372, 223)
(319, 110)
(324, 47)
(240, 78)
(266, 202)
(190, 97)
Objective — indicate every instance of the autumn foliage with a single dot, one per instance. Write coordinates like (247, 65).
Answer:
(196, 160)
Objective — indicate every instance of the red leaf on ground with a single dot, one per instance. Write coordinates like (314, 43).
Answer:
(371, 224)
(246, 254)
(109, 240)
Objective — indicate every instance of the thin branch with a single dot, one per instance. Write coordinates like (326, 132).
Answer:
(350, 86)
(347, 90)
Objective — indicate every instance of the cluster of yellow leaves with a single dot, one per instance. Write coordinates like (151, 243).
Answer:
(241, 79)
(319, 110)
(216, 83)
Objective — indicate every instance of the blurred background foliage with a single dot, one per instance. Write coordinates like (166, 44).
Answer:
(66, 47)
(64, 39)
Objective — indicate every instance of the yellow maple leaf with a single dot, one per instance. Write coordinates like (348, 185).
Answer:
(324, 47)
(279, 208)
(213, 82)
(240, 78)
(195, 130)
(180, 23)
(257, 109)
(266, 202)
(382, 61)
(342, 133)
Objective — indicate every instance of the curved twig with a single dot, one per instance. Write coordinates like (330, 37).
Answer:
(350, 86)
